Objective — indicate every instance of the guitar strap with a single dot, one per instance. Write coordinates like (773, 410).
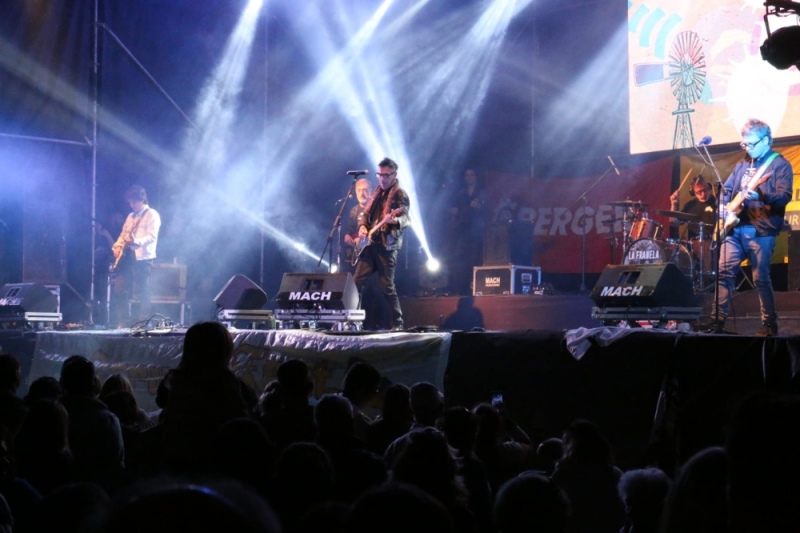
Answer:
(761, 170)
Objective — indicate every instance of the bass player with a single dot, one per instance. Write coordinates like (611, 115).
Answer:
(757, 191)
(383, 221)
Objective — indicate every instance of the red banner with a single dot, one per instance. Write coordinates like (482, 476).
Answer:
(559, 210)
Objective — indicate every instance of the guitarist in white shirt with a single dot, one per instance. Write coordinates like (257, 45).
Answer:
(135, 249)
(385, 217)
(756, 194)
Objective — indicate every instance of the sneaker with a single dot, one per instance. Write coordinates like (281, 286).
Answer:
(767, 330)
(398, 327)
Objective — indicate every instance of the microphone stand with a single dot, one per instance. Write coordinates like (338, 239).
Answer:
(337, 226)
(716, 245)
(582, 198)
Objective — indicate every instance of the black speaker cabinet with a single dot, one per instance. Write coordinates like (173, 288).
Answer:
(657, 285)
(318, 291)
(241, 293)
(16, 299)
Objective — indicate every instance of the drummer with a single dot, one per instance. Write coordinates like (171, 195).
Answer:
(701, 207)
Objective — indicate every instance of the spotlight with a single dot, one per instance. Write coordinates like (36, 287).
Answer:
(433, 265)
(334, 268)
(782, 48)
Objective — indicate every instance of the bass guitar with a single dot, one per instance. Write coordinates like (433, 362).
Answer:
(364, 241)
(734, 207)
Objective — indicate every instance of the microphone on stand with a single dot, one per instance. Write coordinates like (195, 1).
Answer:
(357, 173)
(613, 165)
(705, 141)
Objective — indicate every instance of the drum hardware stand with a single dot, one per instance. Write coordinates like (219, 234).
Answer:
(582, 198)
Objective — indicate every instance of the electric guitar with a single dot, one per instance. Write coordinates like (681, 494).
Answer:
(734, 207)
(364, 241)
(127, 244)
(118, 258)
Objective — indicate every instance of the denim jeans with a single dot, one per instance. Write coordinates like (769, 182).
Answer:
(744, 243)
(375, 258)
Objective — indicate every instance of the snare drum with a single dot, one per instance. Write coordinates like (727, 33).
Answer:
(649, 252)
(645, 228)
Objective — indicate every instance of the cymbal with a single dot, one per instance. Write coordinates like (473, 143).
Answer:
(628, 203)
(680, 215)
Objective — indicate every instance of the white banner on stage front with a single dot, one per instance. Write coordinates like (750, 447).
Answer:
(400, 357)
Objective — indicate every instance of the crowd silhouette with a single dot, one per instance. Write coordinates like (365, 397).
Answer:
(80, 455)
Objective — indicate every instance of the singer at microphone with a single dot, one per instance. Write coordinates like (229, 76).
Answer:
(705, 141)
(356, 173)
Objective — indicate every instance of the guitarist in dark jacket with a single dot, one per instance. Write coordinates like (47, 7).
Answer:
(384, 219)
(757, 192)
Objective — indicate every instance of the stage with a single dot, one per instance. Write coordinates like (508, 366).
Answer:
(569, 311)
(650, 390)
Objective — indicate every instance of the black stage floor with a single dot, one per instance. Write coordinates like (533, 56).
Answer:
(651, 391)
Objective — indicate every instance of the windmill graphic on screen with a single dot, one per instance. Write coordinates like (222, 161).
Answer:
(686, 72)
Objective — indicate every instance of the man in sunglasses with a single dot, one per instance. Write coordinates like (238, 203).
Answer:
(757, 192)
(383, 221)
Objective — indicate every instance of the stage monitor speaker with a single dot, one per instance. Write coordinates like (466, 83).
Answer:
(241, 293)
(318, 291)
(16, 299)
(657, 285)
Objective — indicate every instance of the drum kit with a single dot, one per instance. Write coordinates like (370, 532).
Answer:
(643, 243)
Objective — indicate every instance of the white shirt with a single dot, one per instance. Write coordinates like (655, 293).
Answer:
(143, 227)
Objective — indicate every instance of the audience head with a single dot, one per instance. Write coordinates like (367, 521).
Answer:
(43, 388)
(697, 499)
(9, 372)
(293, 380)
(398, 508)
(333, 416)
(584, 443)
(208, 346)
(643, 491)
(396, 404)
(123, 404)
(166, 507)
(549, 452)
(531, 503)
(44, 431)
(426, 403)
(427, 462)
(361, 383)
(78, 376)
(115, 383)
